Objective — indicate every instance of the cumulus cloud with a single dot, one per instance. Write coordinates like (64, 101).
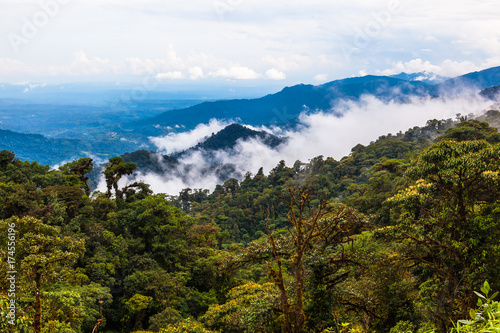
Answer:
(196, 73)
(448, 67)
(317, 134)
(175, 75)
(83, 65)
(292, 63)
(236, 73)
(9, 65)
(172, 57)
(171, 66)
(321, 78)
(275, 74)
(80, 65)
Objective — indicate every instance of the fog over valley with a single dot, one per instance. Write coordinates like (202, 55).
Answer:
(331, 133)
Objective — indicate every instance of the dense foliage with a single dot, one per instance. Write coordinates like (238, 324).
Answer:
(395, 237)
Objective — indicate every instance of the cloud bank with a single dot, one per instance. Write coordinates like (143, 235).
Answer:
(317, 134)
(243, 40)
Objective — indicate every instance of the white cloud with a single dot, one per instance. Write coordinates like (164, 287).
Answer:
(174, 185)
(275, 74)
(321, 78)
(196, 73)
(236, 73)
(293, 63)
(9, 65)
(175, 142)
(170, 75)
(367, 120)
(173, 59)
(137, 66)
(317, 134)
(298, 38)
(447, 68)
(82, 65)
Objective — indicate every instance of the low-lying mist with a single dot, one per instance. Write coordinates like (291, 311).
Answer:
(321, 133)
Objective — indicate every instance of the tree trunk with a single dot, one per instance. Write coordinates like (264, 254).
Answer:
(38, 302)
(298, 313)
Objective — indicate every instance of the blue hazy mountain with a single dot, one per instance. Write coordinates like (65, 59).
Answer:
(122, 94)
(69, 121)
(425, 77)
(45, 150)
(284, 107)
(492, 93)
(477, 80)
(383, 87)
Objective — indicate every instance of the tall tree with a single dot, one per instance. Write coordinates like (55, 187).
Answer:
(42, 252)
(115, 169)
(313, 226)
(80, 169)
(447, 225)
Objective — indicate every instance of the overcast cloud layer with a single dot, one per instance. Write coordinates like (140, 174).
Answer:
(275, 42)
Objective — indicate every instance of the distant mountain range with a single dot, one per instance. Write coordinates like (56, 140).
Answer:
(284, 107)
(425, 77)
(44, 150)
(35, 147)
(476, 80)
(100, 93)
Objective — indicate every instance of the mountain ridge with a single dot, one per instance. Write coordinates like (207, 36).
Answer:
(283, 107)
(224, 140)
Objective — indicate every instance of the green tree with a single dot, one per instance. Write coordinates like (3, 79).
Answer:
(6, 158)
(471, 130)
(446, 222)
(137, 305)
(42, 252)
(313, 226)
(80, 169)
(251, 307)
(114, 170)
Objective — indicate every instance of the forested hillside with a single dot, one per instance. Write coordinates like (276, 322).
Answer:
(395, 237)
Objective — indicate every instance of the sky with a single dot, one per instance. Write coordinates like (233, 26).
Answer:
(242, 42)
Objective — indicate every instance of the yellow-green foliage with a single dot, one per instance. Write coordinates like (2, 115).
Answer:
(186, 326)
(55, 326)
(249, 307)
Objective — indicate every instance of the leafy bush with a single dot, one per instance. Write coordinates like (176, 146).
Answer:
(484, 319)
(403, 327)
